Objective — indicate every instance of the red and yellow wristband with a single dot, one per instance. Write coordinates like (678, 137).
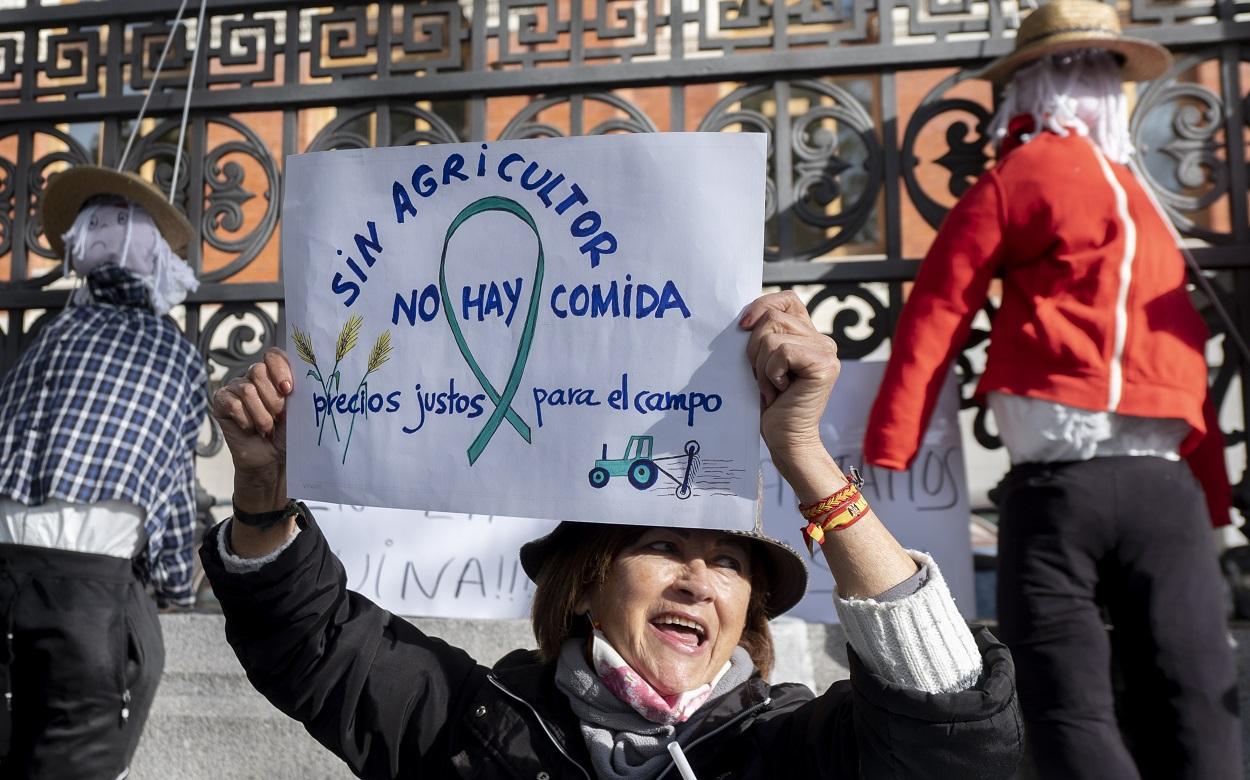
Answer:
(835, 512)
(828, 503)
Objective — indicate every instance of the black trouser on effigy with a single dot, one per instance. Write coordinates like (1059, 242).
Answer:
(80, 658)
(1128, 538)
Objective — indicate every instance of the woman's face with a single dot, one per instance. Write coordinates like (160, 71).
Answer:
(674, 605)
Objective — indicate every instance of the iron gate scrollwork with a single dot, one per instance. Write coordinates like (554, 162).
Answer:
(874, 128)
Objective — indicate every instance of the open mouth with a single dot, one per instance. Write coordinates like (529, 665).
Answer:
(680, 629)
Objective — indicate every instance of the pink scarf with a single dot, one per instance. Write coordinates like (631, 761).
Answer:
(631, 688)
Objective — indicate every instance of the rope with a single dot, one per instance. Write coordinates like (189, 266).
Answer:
(160, 64)
(186, 103)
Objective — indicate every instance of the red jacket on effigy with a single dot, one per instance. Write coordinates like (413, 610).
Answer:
(1094, 315)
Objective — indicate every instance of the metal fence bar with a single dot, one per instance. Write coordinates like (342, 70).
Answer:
(380, 74)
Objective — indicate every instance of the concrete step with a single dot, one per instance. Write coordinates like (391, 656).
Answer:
(208, 723)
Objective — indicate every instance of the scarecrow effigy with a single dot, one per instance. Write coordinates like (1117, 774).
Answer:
(98, 421)
(1097, 381)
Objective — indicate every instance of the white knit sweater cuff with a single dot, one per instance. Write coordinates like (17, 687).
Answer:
(920, 642)
(237, 564)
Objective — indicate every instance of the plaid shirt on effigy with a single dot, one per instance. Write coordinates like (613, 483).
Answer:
(105, 404)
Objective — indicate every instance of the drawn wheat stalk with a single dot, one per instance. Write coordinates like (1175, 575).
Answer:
(346, 340)
(304, 346)
(329, 384)
(347, 337)
(378, 355)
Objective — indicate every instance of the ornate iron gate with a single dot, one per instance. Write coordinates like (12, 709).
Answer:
(875, 128)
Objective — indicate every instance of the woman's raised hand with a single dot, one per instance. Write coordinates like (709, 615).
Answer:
(795, 366)
(251, 411)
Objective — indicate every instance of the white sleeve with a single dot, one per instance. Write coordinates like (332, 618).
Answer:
(919, 641)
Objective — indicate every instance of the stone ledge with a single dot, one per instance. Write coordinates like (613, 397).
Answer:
(209, 723)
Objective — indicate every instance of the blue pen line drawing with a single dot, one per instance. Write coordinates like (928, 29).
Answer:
(642, 468)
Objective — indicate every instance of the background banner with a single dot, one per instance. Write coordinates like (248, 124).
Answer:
(466, 566)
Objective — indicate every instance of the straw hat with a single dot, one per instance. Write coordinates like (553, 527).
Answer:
(787, 574)
(1066, 25)
(69, 190)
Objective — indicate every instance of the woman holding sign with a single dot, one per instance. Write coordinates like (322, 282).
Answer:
(653, 642)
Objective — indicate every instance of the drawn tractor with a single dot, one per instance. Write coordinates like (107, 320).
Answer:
(636, 464)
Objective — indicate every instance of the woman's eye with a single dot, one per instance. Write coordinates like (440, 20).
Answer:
(662, 546)
(729, 562)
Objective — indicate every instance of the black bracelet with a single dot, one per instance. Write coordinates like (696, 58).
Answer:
(266, 520)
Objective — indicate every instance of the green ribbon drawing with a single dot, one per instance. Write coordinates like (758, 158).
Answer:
(502, 401)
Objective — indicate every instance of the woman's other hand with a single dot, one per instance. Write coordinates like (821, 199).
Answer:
(251, 411)
(795, 367)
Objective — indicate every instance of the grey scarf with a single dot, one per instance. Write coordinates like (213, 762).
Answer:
(622, 743)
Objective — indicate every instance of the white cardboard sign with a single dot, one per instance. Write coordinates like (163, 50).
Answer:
(445, 565)
(535, 328)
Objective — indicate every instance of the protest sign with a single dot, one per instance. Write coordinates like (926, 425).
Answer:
(444, 565)
(534, 328)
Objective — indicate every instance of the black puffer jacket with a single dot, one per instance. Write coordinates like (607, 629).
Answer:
(395, 703)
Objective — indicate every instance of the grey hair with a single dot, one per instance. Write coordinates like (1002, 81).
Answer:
(1050, 91)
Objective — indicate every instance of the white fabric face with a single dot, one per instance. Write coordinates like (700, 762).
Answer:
(122, 233)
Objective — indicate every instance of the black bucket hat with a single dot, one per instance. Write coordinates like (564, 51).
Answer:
(787, 573)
